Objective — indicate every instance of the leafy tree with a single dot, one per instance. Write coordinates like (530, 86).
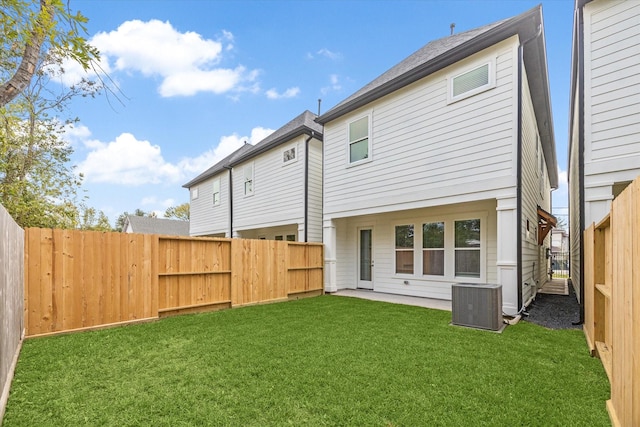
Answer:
(28, 29)
(180, 212)
(37, 185)
(92, 219)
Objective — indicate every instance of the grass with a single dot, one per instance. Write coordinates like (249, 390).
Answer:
(320, 361)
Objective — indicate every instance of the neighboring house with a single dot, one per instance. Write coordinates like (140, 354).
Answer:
(276, 188)
(210, 198)
(604, 128)
(440, 170)
(559, 241)
(149, 225)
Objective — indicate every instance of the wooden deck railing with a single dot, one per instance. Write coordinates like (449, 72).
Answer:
(612, 302)
(76, 280)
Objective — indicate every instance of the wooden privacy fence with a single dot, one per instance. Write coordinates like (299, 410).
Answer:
(11, 299)
(78, 280)
(612, 302)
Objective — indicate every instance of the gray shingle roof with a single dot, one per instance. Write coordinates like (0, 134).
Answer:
(304, 124)
(218, 167)
(148, 225)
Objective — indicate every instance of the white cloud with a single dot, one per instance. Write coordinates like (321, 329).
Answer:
(186, 62)
(329, 54)
(289, 93)
(561, 195)
(128, 161)
(334, 85)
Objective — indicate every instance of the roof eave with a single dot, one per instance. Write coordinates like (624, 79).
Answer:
(301, 130)
(470, 47)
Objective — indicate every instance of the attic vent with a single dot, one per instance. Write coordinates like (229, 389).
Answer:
(477, 305)
(471, 80)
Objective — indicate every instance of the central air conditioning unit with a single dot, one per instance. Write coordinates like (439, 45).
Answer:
(477, 306)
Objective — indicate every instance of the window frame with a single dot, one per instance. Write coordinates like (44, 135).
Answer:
(252, 180)
(480, 249)
(412, 249)
(194, 193)
(443, 249)
(491, 76)
(214, 192)
(292, 159)
(369, 157)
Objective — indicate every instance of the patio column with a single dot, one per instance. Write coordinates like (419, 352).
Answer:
(329, 240)
(507, 262)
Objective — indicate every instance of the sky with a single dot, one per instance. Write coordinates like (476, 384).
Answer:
(197, 78)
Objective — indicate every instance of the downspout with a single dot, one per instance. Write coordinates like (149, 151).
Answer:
(581, 152)
(306, 187)
(519, 169)
(230, 201)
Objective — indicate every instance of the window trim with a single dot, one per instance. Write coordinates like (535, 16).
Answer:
(412, 249)
(369, 157)
(295, 155)
(443, 248)
(252, 180)
(219, 192)
(475, 91)
(481, 249)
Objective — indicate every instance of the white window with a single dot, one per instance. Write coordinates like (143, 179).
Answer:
(467, 248)
(359, 141)
(194, 193)
(289, 155)
(248, 179)
(433, 249)
(471, 82)
(404, 249)
(216, 192)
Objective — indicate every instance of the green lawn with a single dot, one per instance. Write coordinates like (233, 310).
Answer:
(319, 361)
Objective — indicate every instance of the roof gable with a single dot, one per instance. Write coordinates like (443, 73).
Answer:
(218, 167)
(150, 225)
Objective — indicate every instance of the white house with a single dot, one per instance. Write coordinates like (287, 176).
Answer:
(210, 198)
(276, 188)
(440, 170)
(604, 143)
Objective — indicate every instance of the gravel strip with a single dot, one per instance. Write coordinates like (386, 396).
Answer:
(555, 311)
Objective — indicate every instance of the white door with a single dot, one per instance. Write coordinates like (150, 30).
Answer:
(365, 258)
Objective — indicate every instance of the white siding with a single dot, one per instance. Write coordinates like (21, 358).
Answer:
(278, 190)
(612, 101)
(205, 218)
(575, 232)
(384, 277)
(534, 263)
(314, 233)
(418, 141)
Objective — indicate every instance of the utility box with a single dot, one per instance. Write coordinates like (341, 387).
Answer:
(477, 305)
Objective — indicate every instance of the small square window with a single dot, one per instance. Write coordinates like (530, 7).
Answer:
(471, 82)
(289, 155)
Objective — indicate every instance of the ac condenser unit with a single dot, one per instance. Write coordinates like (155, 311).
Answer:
(477, 305)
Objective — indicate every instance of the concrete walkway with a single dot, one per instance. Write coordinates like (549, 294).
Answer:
(395, 299)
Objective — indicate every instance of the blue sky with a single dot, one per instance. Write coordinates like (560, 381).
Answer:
(197, 78)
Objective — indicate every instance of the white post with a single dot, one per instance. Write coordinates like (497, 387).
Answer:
(507, 263)
(329, 240)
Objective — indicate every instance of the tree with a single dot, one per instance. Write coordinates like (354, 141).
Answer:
(37, 185)
(92, 219)
(29, 28)
(180, 212)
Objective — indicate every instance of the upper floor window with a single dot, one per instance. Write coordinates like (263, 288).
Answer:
(289, 155)
(467, 248)
(471, 82)
(216, 192)
(248, 179)
(359, 141)
(194, 193)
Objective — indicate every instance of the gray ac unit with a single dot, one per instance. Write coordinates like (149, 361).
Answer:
(477, 305)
